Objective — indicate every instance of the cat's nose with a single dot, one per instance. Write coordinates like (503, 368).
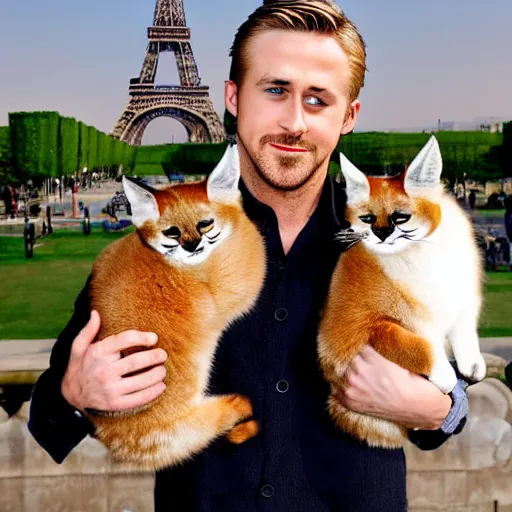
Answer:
(191, 245)
(382, 232)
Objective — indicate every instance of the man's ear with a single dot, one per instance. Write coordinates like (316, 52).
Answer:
(351, 117)
(231, 97)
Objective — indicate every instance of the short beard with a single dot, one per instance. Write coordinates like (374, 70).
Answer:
(284, 161)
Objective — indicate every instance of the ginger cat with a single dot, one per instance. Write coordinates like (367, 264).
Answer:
(194, 265)
(411, 283)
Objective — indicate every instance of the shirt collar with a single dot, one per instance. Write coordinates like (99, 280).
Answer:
(331, 206)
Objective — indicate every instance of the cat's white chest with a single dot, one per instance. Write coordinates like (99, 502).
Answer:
(432, 277)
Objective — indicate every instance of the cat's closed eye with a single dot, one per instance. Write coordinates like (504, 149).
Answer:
(173, 232)
(400, 218)
(204, 226)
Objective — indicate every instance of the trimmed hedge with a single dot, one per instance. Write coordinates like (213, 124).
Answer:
(506, 155)
(69, 137)
(129, 158)
(83, 145)
(380, 153)
(44, 144)
(25, 135)
(193, 158)
(6, 166)
(92, 162)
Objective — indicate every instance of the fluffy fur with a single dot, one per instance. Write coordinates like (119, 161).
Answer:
(410, 288)
(195, 264)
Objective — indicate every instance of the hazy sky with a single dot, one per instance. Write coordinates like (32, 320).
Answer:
(448, 59)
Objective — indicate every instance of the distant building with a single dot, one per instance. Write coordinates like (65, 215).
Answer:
(479, 124)
(491, 125)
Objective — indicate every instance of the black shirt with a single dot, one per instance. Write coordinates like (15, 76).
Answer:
(299, 461)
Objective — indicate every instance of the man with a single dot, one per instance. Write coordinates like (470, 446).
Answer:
(295, 77)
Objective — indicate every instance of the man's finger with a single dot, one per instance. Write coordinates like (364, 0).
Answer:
(128, 339)
(139, 398)
(139, 361)
(86, 336)
(368, 353)
(142, 381)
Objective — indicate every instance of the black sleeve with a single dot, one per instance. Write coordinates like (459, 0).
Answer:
(53, 422)
(452, 425)
(432, 439)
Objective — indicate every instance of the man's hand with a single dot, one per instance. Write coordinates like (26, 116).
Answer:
(381, 388)
(95, 374)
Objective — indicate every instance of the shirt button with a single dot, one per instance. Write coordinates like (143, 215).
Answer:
(280, 265)
(281, 314)
(267, 491)
(282, 386)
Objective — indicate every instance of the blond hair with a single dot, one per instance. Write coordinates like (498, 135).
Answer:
(320, 16)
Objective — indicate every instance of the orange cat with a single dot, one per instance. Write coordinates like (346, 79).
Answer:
(195, 264)
(411, 284)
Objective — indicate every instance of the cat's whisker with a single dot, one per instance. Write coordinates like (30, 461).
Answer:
(407, 230)
(352, 244)
(350, 236)
(421, 240)
(213, 237)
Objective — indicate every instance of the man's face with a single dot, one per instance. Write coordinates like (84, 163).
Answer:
(292, 105)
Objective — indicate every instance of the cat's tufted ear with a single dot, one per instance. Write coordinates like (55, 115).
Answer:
(223, 181)
(424, 173)
(142, 201)
(358, 188)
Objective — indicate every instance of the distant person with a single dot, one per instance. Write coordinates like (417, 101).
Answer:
(9, 197)
(472, 199)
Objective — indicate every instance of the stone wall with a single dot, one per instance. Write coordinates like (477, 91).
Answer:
(472, 472)
(87, 481)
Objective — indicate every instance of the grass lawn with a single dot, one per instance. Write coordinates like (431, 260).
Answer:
(497, 310)
(489, 213)
(37, 295)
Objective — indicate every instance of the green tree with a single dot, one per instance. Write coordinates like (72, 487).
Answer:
(506, 151)
(83, 145)
(34, 138)
(69, 141)
(7, 175)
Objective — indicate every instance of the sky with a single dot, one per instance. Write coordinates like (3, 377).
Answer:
(441, 59)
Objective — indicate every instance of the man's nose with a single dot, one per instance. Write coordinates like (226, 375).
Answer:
(293, 118)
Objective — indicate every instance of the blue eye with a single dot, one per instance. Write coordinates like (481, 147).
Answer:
(275, 90)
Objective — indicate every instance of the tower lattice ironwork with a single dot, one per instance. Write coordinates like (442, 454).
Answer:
(188, 102)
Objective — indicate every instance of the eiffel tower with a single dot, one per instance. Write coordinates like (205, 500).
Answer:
(188, 102)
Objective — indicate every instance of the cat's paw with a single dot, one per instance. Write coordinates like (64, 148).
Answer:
(443, 376)
(473, 368)
(241, 405)
(243, 431)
